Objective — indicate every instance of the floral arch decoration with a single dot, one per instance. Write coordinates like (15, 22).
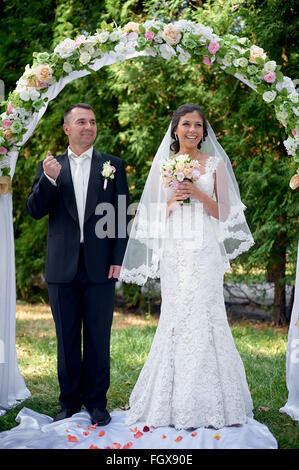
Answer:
(71, 59)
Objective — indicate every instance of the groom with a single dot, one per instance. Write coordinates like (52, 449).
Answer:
(82, 264)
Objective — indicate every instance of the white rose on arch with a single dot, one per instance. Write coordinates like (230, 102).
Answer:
(67, 67)
(33, 93)
(269, 96)
(282, 116)
(66, 48)
(116, 35)
(84, 58)
(103, 36)
(121, 51)
(24, 95)
(183, 55)
(240, 62)
(286, 83)
(291, 146)
(269, 66)
(205, 31)
(167, 51)
(88, 48)
(227, 60)
(294, 97)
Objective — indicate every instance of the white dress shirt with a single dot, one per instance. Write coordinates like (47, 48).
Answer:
(85, 165)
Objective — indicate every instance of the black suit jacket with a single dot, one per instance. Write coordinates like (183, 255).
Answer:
(64, 232)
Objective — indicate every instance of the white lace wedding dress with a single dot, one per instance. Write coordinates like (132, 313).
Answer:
(193, 375)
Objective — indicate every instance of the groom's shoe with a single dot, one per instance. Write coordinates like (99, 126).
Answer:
(99, 417)
(66, 413)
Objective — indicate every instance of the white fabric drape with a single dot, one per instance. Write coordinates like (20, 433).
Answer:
(292, 360)
(12, 385)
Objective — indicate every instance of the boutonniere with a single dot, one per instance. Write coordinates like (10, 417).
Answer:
(108, 173)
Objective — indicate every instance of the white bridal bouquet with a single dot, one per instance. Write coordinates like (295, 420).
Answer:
(180, 168)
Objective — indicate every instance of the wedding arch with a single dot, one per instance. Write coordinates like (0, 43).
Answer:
(50, 72)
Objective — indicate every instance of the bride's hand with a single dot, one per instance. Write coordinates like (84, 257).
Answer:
(175, 199)
(189, 190)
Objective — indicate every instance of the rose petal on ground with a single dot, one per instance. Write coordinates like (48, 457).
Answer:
(101, 433)
(178, 439)
(116, 445)
(138, 434)
(72, 438)
(217, 436)
(134, 429)
(128, 445)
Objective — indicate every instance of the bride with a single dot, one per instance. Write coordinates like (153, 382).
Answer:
(193, 375)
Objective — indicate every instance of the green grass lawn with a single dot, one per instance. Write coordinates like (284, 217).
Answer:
(261, 346)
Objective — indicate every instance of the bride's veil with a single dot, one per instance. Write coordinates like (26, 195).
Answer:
(148, 231)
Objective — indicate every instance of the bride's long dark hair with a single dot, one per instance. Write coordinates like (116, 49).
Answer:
(180, 112)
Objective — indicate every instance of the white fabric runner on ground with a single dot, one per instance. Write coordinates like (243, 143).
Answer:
(38, 431)
(292, 360)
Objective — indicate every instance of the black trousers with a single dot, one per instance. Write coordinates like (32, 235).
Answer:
(83, 379)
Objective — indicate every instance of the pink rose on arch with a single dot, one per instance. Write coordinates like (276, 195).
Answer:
(270, 77)
(149, 35)
(9, 108)
(41, 84)
(3, 150)
(213, 47)
(6, 123)
(80, 40)
(206, 60)
(294, 132)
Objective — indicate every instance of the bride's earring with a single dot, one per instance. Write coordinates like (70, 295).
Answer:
(176, 137)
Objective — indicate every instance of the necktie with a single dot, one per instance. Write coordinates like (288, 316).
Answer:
(78, 181)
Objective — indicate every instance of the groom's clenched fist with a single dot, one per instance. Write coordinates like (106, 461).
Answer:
(51, 166)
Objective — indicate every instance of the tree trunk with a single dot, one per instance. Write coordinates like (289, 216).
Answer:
(276, 273)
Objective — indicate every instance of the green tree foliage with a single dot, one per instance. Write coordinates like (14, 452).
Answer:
(134, 101)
